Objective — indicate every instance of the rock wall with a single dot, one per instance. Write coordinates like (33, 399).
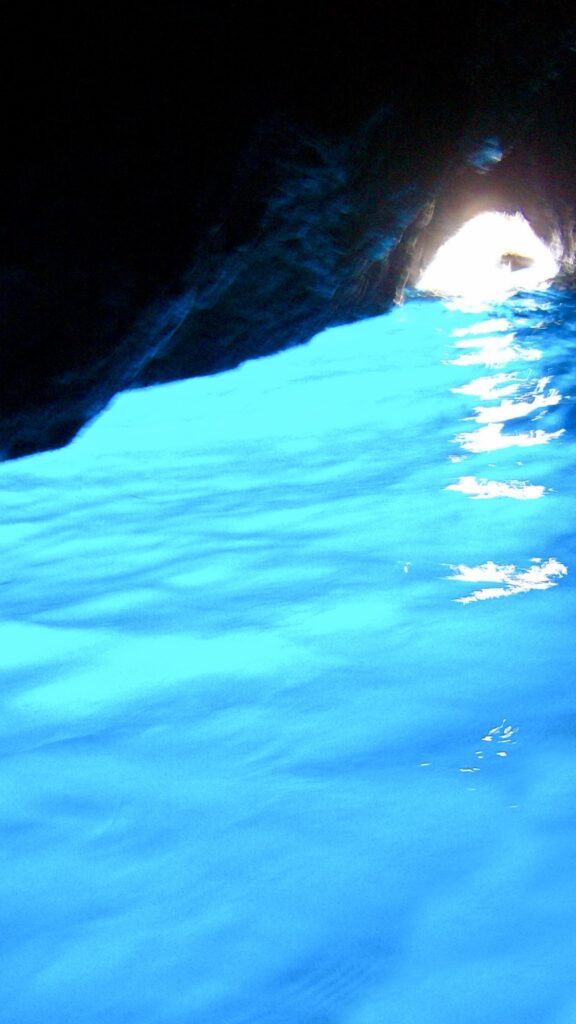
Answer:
(191, 185)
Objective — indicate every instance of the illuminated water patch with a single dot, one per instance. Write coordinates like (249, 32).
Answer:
(541, 575)
(262, 761)
(493, 255)
(518, 489)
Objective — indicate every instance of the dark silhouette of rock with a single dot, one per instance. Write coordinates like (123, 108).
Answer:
(189, 185)
(515, 261)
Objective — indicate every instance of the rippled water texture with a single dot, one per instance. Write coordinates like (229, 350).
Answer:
(288, 728)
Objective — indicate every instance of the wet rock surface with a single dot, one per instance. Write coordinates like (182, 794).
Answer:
(190, 186)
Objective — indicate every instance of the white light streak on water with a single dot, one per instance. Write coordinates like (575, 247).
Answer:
(521, 490)
(539, 576)
(491, 438)
(510, 410)
(495, 386)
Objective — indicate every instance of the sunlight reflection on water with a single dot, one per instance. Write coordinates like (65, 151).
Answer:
(539, 576)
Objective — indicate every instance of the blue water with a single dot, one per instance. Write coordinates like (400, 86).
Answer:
(288, 725)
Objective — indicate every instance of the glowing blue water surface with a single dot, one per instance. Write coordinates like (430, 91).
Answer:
(289, 715)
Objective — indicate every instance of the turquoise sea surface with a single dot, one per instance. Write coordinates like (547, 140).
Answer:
(288, 729)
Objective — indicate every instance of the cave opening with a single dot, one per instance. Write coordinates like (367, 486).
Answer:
(490, 257)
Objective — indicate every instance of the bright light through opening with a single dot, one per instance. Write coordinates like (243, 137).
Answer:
(490, 257)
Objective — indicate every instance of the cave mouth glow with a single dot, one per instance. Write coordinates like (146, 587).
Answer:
(492, 256)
